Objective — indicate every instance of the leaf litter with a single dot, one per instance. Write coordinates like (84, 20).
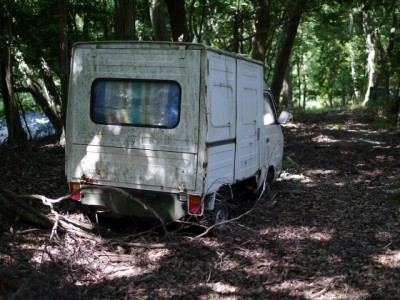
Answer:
(330, 230)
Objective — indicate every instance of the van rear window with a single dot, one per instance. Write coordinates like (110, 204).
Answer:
(135, 102)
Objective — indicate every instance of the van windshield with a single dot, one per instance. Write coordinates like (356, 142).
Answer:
(135, 102)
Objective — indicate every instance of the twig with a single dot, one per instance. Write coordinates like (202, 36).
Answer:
(324, 290)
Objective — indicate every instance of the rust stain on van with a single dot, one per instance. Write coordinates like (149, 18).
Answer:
(85, 179)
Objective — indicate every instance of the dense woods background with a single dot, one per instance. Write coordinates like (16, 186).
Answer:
(316, 53)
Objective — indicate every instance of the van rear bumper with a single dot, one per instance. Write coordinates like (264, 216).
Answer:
(167, 205)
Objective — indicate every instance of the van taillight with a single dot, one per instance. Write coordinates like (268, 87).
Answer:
(195, 205)
(74, 186)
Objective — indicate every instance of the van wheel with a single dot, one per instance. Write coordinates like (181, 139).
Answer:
(217, 216)
(268, 184)
(264, 191)
(221, 210)
(220, 213)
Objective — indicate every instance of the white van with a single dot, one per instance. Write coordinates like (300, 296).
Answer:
(175, 125)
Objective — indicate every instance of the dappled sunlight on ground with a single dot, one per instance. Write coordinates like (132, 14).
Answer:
(324, 139)
(321, 288)
(328, 231)
(296, 177)
(298, 233)
(389, 259)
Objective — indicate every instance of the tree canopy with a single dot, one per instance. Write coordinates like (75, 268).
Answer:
(315, 52)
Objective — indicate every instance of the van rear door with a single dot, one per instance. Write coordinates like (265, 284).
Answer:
(133, 115)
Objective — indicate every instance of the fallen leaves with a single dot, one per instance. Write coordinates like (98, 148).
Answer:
(329, 231)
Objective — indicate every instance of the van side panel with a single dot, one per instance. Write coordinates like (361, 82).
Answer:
(221, 97)
(221, 120)
(249, 118)
(220, 168)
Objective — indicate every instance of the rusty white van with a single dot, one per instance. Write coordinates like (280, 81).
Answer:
(175, 125)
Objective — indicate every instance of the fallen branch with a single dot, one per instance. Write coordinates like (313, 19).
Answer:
(49, 202)
(84, 230)
(26, 212)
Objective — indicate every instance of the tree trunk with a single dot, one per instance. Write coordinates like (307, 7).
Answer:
(235, 33)
(124, 19)
(262, 26)
(304, 91)
(298, 67)
(352, 61)
(52, 90)
(390, 61)
(64, 61)
(371, 58)
(396, 106)
(16, 134)
(287, 88)
(282, 60)
(104, 22)
(44, 105)
(177, 17)
(158, 21)
(203, 27)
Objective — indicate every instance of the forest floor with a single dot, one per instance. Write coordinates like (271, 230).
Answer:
(330, 230)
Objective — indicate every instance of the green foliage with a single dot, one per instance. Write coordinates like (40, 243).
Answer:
(330, 40)
(322, 53)
(289, 162)
(24, 99)
(27, 102)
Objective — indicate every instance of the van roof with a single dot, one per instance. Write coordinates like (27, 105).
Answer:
(159, 45)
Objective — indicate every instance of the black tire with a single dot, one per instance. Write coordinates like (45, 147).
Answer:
(220, 213)
(265, 191)
(269, 181)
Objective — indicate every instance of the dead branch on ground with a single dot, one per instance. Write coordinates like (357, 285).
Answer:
(84, 230)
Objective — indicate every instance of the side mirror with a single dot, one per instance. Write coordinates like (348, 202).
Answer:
(283, 117)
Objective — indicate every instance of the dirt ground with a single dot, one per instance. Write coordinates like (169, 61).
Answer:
(330, 230)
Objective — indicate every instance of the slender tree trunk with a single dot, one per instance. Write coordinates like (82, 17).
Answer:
(298, 68)
(104, 22)
(124, 19)
(305, 91)
(40, 100)
(64, 59)
(287, 88)
(371, 58)
(235, 33)
(396, 106)
(386, 69)
(352, 61)
(177, 16)
(262, 26)
(393, 100)
(158, 21)
(282, 60)
(48, 80)
(201, 29)
(16, 134)
(330, 98)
